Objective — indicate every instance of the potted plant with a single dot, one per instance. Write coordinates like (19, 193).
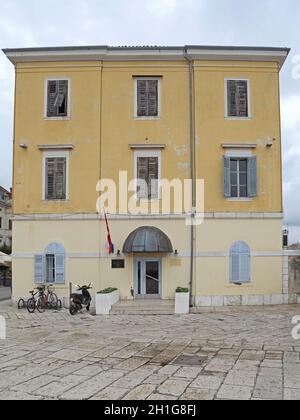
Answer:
(182, 300)
(105, 299)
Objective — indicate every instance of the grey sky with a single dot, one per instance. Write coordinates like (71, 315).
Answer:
(35, 23)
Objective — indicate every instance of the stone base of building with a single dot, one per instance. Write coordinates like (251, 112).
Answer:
(247, 300)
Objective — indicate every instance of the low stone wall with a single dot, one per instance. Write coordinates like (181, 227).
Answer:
(247, 300)
(294, 274)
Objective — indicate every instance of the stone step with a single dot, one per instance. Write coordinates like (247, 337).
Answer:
(154, 311)
(144, 307)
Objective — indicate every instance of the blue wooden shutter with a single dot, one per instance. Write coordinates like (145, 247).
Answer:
(226, 177)
(39, 269)
(60, 268)
(252, 177)
(240, 263)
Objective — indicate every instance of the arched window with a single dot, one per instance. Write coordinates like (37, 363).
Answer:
(240, 263)
(50, 266)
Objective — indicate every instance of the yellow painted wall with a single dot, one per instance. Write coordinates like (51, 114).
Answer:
(212, 130)
(102, 125)
(83, 240)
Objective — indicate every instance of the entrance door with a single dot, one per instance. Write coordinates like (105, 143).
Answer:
(147, 278)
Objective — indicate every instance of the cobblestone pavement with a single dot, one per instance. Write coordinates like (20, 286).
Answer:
(242, 353)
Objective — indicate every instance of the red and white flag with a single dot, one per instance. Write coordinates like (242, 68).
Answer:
(110, 245)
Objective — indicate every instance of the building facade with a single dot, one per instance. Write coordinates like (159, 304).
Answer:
(5, 218)
(84, 115)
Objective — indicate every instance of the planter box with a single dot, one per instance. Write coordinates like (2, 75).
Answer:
(104, 302)
(182, 303)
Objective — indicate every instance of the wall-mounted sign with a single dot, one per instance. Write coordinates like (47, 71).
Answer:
(118, 264)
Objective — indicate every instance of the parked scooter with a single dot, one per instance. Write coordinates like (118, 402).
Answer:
(80, 300)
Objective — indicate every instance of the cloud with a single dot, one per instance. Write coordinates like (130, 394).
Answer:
(290, 111)
(161, 8)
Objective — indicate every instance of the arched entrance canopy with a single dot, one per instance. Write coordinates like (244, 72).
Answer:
(147, 240)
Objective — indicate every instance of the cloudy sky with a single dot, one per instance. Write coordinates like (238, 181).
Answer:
(35, 23)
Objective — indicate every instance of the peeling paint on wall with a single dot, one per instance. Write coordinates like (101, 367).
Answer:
(183, 166)
(180, 150)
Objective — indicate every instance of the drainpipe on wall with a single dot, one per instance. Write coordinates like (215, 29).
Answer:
(192, 172)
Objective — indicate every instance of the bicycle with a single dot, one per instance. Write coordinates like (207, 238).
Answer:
(49, 298)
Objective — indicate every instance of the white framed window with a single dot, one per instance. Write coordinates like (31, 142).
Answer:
(240, 263)
(57, 98)
(147, 98)
(147, 173)
(237, 99)
(49, 267)
(55, 176)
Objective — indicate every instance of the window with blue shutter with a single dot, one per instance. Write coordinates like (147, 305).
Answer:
(240, 178)
(50, 266)
(240, 263)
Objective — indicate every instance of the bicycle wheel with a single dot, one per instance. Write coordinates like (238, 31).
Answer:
(31, 305)
(40, 305)
(53, 301)
(21, 304)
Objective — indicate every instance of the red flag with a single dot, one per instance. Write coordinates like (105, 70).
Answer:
(109, 241)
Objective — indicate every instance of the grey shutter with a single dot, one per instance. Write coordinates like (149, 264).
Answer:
(231, 98)
(52, 92)
(39, 268)
(142, 108)
(234, 268)
(62, 98)
(60, 268)
(242, 98)
(152, 98)
(50, 178)
(244, 267)
(153, 177)
(60, 178)
(142, 174)
(240, 263)
(252, 177)
(226, 177)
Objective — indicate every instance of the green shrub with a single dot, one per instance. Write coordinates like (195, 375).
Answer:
(107, 291)
(182, 290)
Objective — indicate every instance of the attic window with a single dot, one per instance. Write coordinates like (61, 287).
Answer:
(57, 98)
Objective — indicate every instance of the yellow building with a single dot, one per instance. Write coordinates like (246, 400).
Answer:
(175, 113)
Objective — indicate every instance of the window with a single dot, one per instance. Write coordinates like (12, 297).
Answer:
(240, 177)
(0, 222)
(57, 98)
(55, 177)
(147, 170)
(147, 97)
(237, 98)
(240, 263)
(10, 224)
(50, 266)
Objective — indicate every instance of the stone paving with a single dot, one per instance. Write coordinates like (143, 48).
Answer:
(244, 353)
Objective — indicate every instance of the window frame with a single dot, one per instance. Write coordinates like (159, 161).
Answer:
(58, 118)
(149, 118)
(147, 154)
(238, 174)
(237, 79)
(239, 154)
(49, 155)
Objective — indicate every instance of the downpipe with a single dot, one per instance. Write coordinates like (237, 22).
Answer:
(192, 172)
